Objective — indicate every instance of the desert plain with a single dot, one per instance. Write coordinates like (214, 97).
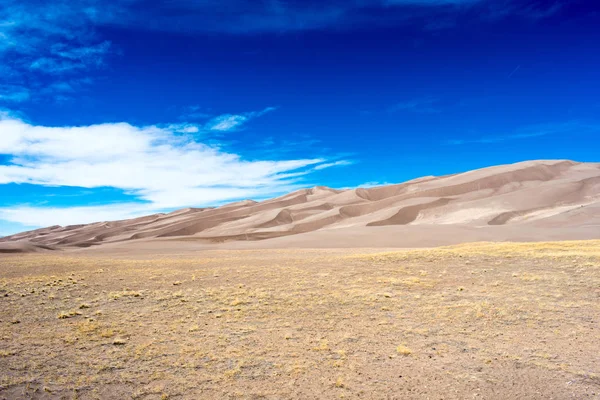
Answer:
(481, 320)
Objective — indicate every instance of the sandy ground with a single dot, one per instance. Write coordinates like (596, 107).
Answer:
(489, 321)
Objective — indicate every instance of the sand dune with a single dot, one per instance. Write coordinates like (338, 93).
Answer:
(533, 200)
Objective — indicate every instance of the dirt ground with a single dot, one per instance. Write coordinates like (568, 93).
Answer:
(488, 321)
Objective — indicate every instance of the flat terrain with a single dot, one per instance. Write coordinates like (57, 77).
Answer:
(489, 321)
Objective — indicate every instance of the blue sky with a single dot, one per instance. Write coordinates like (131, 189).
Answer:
(116, 110)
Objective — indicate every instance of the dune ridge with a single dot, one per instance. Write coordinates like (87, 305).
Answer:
(532, 200)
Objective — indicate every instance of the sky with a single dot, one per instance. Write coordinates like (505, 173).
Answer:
(112, 110)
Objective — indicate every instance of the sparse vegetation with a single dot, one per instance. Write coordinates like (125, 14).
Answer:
(403, 350)
(305, 324)
(68, 314)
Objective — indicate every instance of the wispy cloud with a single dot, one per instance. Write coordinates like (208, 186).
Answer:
(61, 17)
(534, 10)
(247, 16)
(42, 43)
(233, 122)
(216, 125)
(426, 105)
(333, 164)
(14, 93)
(60, 29)
(533, 131)
(163, 167)
(514, 71)
(226, 123)
(63, 59)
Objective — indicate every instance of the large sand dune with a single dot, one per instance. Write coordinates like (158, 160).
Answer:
(528, 201)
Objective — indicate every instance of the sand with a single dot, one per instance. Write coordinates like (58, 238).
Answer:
(528, 201)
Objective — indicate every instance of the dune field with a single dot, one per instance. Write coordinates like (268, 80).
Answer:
(528, 201)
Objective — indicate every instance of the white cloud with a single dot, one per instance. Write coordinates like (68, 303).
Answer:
(162, 166)
(232, 122)
(333, 164)
(226, 123)
(184, 128)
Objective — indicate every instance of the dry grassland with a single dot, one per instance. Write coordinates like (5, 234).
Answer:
(489, 321)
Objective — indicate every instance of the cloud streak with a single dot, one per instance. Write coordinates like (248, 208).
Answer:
(247, 16)
(233, 122)
(45, 42)
(162, 168)
(514, 71)
(14, 94)
(339, 163)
